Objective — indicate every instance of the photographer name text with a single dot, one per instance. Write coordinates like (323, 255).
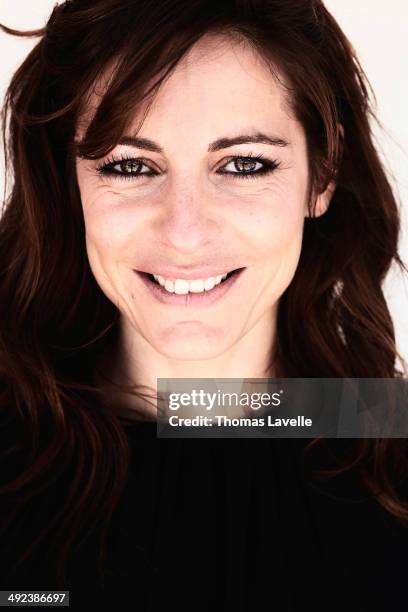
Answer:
(224, 421)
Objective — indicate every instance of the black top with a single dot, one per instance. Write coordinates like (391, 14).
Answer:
(230, 524)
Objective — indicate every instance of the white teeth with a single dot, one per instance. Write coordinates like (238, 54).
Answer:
(182, 287)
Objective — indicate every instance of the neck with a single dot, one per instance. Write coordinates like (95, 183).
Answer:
(133, 361)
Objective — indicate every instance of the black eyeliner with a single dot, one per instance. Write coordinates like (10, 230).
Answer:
(106, 168)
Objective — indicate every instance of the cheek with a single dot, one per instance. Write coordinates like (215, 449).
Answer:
(276, 241)
(111, 223)
(109, 216)
(112, 233)
(273, 223)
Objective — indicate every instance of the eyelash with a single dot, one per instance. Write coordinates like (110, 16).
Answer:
(106, 169)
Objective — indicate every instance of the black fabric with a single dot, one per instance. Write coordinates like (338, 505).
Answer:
(229, 524)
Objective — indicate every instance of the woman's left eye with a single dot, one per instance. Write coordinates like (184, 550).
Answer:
(248, 166)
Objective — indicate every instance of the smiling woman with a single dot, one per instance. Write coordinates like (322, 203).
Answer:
(188, 204)
(191, 195)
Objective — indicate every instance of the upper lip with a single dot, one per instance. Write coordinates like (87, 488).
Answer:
(191, 274)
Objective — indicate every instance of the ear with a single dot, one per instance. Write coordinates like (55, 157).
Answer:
(323, 201)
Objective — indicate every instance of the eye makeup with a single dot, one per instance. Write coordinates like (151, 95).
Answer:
(124, 167)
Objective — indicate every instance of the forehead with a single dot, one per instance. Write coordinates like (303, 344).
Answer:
(218, 83)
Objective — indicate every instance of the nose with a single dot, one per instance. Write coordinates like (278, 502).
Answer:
(188, 219)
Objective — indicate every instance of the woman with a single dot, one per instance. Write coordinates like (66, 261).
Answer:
(170, 144)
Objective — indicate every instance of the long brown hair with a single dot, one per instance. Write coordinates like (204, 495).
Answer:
(333, 320)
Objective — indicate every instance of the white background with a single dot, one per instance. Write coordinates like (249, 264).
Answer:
(378, 31)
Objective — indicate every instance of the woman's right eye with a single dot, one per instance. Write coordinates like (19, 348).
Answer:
(125, 169)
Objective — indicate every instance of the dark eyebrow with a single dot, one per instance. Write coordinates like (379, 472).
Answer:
(217, 145)
(223, 143)
(141, 143)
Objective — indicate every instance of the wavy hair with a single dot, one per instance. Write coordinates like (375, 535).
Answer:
(333, 319)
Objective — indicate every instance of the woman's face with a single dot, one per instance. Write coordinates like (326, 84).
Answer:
(181, 207)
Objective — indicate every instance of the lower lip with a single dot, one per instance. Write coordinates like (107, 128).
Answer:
(204, 298)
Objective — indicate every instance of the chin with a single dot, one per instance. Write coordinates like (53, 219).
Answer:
(192, 349)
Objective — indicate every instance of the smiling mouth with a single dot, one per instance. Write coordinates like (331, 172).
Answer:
(153, 280)
(202, 298)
